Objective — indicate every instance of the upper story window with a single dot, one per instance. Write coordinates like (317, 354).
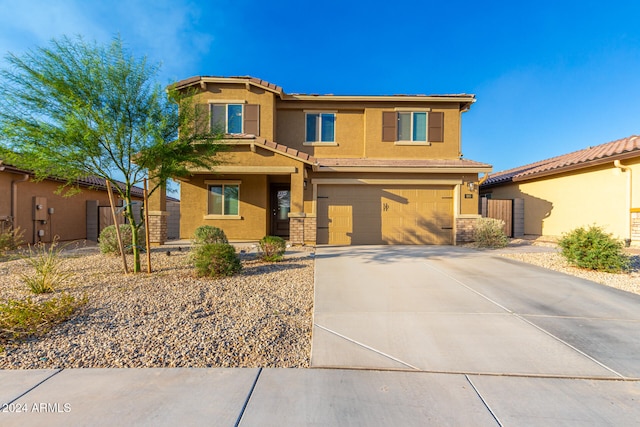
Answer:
(227, 117)
(320, 127)
(413, 126)
(234, 118)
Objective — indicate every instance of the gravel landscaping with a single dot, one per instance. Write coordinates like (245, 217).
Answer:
(171, 318)
(551, 259)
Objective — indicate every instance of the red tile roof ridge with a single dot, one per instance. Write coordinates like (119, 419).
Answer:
(194, 79)
(285, 149)
(584, 157)
(87, 181)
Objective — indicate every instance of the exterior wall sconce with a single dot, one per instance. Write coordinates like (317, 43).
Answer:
(304, 184)
(471, 185)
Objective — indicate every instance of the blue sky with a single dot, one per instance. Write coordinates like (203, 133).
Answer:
(550, 77)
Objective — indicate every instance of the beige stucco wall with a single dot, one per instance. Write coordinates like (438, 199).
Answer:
(349, 128)
(560, 203)
(69, 220)
(359, 130)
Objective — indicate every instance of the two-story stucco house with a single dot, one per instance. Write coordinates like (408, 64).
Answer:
(331, 169)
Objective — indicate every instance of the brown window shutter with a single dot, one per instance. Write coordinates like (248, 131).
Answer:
(202, 118)
(252, 119)
(436, 127)
(389, 126)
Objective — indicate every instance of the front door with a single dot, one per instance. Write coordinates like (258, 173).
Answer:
(280, 207)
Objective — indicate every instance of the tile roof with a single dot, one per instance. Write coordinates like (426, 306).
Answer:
(87, 182)
(286, 150)
(402, 163)
(195, 79)
(278, 89)
(273, 146)
(591, 156)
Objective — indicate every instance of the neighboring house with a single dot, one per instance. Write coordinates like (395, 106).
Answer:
(41, 213)
(598, 185)
(344, 169)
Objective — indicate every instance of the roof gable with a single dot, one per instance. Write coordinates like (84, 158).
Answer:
(591, 156)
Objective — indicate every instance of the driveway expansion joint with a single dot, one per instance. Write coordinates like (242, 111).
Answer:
(246, 402)
(367, 347)
(484, 401)
(53, 374)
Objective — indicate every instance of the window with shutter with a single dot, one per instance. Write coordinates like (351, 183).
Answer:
(436, 127)
(412, 126)
(201, 119)
(389, 126)
(252, 119)
(227, 118)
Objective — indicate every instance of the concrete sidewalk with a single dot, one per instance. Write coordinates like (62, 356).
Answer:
(321, 397)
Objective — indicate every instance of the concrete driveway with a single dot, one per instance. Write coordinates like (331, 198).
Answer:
(534, 344)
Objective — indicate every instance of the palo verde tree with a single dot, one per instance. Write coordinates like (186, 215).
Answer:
(76, 109)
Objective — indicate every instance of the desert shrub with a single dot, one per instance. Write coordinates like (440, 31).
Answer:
(108, 240)
(216, 260)
(48, 273)
(489, 233)
(10, 239)
(23, 318)
(594, 249)
(206, 234)
(273, 248)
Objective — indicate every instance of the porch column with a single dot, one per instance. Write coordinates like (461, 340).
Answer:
(296, 214)
(158, 216)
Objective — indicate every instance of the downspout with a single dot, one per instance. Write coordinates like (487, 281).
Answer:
(14, 199)
(624, 168)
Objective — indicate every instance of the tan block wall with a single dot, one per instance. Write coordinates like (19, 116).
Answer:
(464, 229)
(296, 231)
(157, 228)
(635, 228)
(310, 230)
(302, 230)
(558, 204)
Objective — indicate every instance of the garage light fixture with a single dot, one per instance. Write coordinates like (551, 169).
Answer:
(471, 185)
